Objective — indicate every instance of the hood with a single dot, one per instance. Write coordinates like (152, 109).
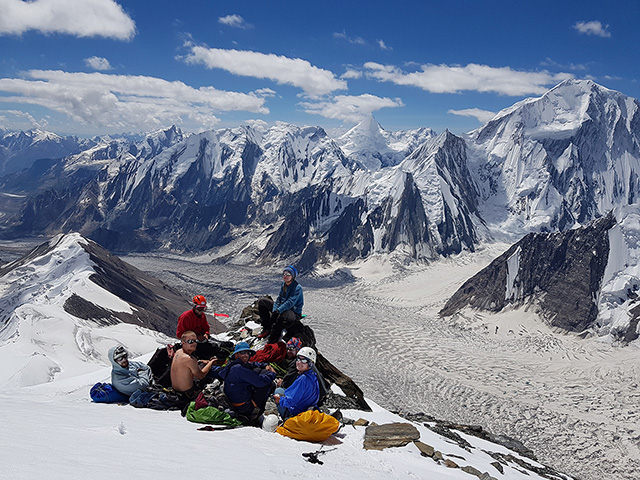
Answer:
(115, 365)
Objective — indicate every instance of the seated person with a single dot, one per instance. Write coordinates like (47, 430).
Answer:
(304, 393)
(185, 367)
(246, 388)
(289, 363)
(286, 311)
(127, 376)
(195, 320)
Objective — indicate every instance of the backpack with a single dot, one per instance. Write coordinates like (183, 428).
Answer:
(323, 387)
(311, 426)
(210, 415)
(158, 398)
(106, 393)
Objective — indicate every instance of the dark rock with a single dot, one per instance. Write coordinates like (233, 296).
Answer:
(450, 463)
(425, 450)
(559, 272)
(379, 437)
(498, 466)
(471, 470)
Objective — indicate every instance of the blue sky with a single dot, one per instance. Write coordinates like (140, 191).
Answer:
(102, 66)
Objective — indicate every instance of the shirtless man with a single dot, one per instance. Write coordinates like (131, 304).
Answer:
(184, 367)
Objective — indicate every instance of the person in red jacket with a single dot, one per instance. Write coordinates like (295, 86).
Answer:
(196, 321)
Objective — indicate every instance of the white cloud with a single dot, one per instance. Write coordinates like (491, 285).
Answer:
(18, 120)
(482, 115)
(234, 21)
(350, 108)
(383, 45)
(282, 70)
(82, 18)
(473, 77)
(125, 102)
(593, 28)
(264, 92)
(548, 62)
(354, 40)
(351, 73)
(98, 63)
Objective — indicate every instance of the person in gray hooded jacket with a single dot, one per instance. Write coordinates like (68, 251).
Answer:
(128, 376)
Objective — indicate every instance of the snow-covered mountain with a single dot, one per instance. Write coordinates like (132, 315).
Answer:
(294, 193)
(64, 288)
(557, 161)
(18, 150)
(374, 147)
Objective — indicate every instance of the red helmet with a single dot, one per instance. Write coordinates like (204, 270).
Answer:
(200, 301)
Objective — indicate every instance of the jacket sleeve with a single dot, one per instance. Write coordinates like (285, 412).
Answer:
(180, 328)
(138, 377)
(290, 302)
(279, 300)
(256, 379)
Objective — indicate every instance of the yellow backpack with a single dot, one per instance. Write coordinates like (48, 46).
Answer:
(311, 426)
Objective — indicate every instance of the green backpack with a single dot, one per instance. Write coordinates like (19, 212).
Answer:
(210, 415)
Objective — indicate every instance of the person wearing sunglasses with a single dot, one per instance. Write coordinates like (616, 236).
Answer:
(304, 393)
(127, 376)
(185, 369)
(286, 311)
(247, 385)
(195, 320)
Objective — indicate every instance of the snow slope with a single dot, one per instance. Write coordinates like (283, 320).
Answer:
(50, 361)
(572, 400)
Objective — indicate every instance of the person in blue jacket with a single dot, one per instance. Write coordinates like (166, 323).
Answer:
(304, 393)
(128, 376)
(286, 311)
(247, 385)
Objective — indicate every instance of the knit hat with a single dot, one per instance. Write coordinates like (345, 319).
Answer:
(292, 270)
(294, 344)
(119, 353)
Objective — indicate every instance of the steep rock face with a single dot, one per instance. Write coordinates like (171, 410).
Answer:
(560, 273)
(449, 195)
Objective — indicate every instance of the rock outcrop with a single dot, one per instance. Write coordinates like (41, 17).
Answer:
(560, 274)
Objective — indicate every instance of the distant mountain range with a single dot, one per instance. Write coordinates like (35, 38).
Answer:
(546, 164)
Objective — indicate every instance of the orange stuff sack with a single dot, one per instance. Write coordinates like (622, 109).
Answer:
(311, 426)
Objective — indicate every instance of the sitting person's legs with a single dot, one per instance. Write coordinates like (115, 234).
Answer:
(286, 320)
(265, 307)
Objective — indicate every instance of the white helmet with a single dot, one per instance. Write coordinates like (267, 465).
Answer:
(270, 423)
(308, 352)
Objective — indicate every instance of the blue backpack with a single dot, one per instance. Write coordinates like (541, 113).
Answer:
(106, 393)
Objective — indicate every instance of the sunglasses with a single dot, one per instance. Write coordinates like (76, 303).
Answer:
(190, 341)
(286, 274)
(302, 360)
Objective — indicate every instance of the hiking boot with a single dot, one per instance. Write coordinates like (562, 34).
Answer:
(264, 334)
(270, 408)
